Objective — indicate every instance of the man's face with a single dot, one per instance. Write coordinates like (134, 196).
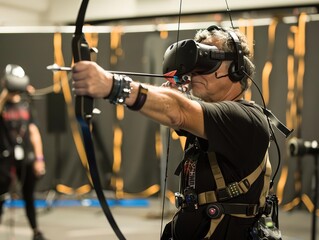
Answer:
(211, 88)
(216, 86)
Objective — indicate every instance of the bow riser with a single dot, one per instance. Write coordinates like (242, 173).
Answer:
(81, 51)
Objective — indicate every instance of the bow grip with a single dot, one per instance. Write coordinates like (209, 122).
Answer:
(81, 52)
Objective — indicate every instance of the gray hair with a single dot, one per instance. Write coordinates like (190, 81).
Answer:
(223, 41)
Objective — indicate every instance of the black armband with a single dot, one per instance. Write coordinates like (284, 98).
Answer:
(141, 98)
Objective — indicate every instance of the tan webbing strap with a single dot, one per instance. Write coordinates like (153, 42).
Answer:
(211, 195)
(213, 225)
(219, 179)
(207, 197)
(243, 185)
(265, 190)
(267, 177)
(253, 176)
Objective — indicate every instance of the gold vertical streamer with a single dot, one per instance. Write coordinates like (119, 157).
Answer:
(116, 181)
(115, 44)
(58, 58)
(68, 99)
(93, 41)
(300, 50)
(62, 77)
(164, 34)
(296, 70)
(291, 113)
(268, 65)
(248, 29)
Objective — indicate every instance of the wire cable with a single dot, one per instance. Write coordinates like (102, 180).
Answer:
(273, 136)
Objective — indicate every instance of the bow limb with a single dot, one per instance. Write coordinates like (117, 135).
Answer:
(84, 113)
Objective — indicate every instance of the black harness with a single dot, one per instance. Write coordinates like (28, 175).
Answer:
(214, 200)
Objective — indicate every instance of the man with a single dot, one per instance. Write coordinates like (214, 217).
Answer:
(223, 131)
(21, 152)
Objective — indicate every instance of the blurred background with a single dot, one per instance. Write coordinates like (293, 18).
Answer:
(132, 35)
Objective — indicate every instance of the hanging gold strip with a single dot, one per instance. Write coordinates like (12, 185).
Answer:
(117, 182)
(300, 52)
(290, 116)
(296, 70)
(61, 76)
(268, 65)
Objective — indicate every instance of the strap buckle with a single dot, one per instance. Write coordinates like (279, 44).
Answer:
(188, 199)
(179, 200)
(232, 190)
(222, 194)
(252, 210)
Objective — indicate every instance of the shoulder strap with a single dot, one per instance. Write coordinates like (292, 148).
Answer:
(225, 192)
(265, 191)
(218, 176)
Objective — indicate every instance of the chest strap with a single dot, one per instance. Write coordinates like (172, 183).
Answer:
(225, 192)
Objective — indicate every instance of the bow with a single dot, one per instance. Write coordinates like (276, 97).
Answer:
(84, 112)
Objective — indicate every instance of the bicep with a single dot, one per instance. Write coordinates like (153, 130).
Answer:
(193, 119)
(173, 109)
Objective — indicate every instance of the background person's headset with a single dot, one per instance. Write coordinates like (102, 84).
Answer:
(15, 79)
(188, 56)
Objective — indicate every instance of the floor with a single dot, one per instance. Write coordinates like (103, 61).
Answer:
(141, 221)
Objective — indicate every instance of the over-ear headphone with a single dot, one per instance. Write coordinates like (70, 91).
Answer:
(237, 67)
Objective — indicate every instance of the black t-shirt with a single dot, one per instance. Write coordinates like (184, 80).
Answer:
(15, 119)
(238, 133)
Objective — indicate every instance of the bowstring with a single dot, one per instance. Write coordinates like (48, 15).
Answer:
(169, 135)
(165, 178)
(229, 14)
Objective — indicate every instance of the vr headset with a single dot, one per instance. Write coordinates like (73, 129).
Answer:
(15, 79)
(188, 56)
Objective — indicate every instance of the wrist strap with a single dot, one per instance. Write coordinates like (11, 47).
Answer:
(140, 100)
(121, 89)
(40, 159)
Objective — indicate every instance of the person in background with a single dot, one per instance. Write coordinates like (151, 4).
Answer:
(221, 194)
(21, 150)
